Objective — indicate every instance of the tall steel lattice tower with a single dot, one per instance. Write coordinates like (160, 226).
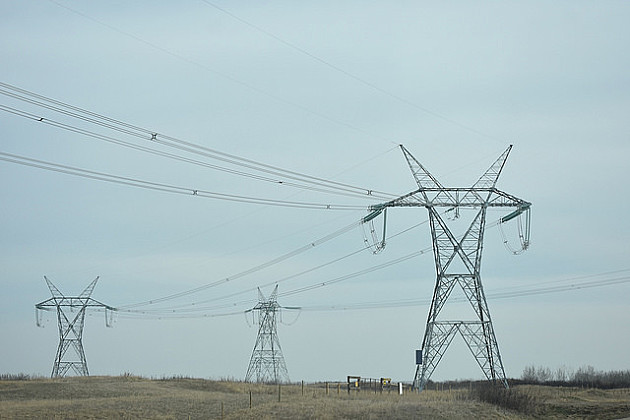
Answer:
(267, 362)
(458, 262)
(71, 318)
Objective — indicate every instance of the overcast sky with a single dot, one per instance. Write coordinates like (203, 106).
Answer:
(327, 89)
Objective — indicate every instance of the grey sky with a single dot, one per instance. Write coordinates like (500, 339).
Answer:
(457, 83)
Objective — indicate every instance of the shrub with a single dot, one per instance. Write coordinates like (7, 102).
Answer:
(511, 399)
(14, 377)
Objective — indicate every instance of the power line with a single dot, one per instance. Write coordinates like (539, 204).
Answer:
(400, 303)
(570, 279)
(493, 296)
(349, 74)
(564, 288)
(233, 79)
(355, 274)
(125, 180)
(134, 182)
(186, 308)
(148, 316)
(196, 304)
(249, 271)
(152, 137)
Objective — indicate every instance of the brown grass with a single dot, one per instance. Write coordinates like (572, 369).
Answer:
(582, 403)
(130, 397)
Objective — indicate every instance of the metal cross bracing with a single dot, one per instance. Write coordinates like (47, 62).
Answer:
(267, 362)
(71, 319)
(458, 262)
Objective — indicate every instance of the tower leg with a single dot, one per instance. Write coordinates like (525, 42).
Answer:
(70, 337)
(437, 338)
(458, 261)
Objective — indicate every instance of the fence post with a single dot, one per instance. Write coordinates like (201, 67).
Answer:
(279, 385)
(302, 387)
(326, 388)
(250, 399)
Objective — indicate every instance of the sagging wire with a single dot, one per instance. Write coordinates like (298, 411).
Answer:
(198, 304)
(274, 175)
(246, 313)
(523, 229)
(299, 312)
(246, 272)
(376, 245)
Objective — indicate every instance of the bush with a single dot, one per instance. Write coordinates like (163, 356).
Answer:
(510, 399)
(14, 377)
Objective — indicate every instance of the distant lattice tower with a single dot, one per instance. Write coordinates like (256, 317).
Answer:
(71, 318)
(458, 262)
(267, 362)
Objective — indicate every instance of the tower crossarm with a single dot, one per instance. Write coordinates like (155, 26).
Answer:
(454, 197)
(73, 302)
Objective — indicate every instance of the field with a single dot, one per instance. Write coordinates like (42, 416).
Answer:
(130, 397)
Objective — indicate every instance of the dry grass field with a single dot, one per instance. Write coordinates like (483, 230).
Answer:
(129, 397)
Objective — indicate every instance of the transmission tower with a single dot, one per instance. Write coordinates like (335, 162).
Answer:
(458, 262)
(267, 362)
(70, 318)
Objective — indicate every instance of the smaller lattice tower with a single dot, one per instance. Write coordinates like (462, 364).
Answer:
(71, 318)
(267, 362)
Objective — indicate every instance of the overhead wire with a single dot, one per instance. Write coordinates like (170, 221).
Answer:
(353, 76)
(232, 79)
(153, 137)
(286, 256)
(277, 97)
(129, 181)
(399, 303)
(354, 274)
(126, 144)
(388, 304)
(569, 279)
(140, 315)
(197, 304)
(124, 180)
(134, 182)
(187, 307)
(169, 188)
(491, 296)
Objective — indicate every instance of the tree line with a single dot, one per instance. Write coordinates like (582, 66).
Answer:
(585, 376)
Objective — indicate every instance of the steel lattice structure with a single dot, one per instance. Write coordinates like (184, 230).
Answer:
(71, 319)
(458, 262)
(267, 362)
